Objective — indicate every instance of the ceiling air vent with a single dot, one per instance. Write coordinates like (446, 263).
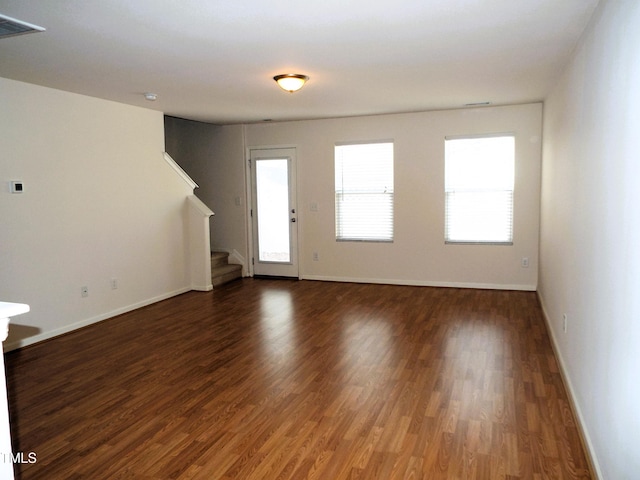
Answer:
(10, 27)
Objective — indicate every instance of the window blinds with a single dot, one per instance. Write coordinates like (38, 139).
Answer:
(479, 180)
(364, 192)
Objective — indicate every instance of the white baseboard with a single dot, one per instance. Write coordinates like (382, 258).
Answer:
(83, 323)
(575, 407)
(420, 283)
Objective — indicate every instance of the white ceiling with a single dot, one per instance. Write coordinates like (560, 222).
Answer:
(213, 60)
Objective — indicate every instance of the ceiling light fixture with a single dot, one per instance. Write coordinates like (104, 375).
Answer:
(152, 97)
(291, 82)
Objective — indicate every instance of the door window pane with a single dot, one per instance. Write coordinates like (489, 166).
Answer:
(272, 189)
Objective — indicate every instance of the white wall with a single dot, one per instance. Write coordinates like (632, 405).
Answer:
(99, 203)
(418, 254)
(590, 233)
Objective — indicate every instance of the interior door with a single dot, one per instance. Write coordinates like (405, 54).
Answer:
(274, 212)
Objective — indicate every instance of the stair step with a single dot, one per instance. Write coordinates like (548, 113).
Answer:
(219, 259)
(221, 270)
(225, 273)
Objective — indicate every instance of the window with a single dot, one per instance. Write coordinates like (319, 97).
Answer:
(479, 177)
(364, 192)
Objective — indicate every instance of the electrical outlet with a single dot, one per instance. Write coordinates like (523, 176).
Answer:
(525, 262)
(114, 284)
(84, 291)
(564, 322)
(316, 257)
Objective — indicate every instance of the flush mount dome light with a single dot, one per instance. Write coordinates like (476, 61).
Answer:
(291, 82)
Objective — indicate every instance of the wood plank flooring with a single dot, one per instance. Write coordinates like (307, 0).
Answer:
(277, 379)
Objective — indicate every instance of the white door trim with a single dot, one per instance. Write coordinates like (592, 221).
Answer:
(250, 205)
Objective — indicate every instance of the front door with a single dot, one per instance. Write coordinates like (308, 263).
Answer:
(273, 212)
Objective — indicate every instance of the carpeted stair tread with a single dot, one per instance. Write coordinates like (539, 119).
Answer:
(222, 271)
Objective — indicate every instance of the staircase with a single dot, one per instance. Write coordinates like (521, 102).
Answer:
(221, 270)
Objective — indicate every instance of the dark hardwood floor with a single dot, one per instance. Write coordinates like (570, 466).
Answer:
(276, 379)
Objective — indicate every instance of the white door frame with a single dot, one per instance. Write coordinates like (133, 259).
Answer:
(249, 203)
